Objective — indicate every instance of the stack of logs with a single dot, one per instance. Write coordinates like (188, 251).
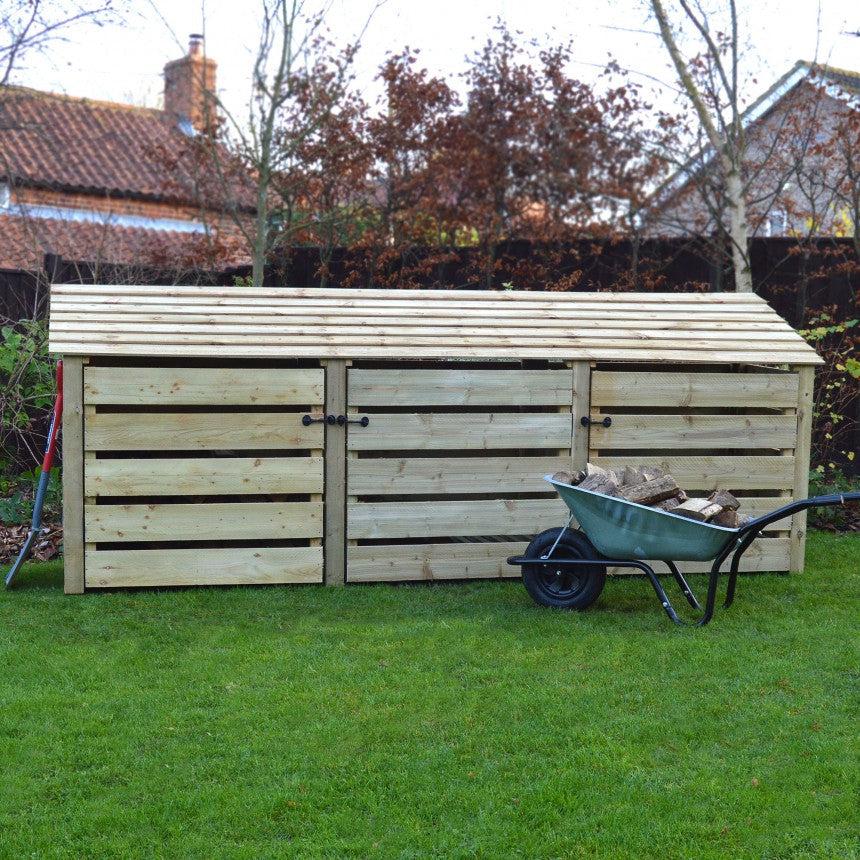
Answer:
(650, 485)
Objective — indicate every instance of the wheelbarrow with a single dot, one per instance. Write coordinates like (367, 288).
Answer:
(566, 568)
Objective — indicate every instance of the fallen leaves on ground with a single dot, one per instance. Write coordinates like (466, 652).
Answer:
(46, 545)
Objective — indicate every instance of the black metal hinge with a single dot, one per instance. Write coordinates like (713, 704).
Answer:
(587, 422)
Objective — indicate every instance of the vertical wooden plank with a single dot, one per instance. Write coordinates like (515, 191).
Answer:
(335, 474)
(805, 404)
(581, 407)
(317, 497)
(73, 475)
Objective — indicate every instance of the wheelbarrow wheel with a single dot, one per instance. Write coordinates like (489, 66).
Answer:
(563, 586)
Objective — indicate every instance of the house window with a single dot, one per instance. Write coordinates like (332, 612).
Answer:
(777, 223)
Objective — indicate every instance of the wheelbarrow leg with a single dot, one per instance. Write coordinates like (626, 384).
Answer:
(710, 600)
(683, 585)
(736, 560)
(658, 590)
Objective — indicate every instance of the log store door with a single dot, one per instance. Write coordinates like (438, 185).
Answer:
(712, 428)
(203, 473)
(444, 478)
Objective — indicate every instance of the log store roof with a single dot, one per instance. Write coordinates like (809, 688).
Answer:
(240, 322)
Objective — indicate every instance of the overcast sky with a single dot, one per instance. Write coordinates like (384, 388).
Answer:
(124, 63)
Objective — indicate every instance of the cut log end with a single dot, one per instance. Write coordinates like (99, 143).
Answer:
(651, 492)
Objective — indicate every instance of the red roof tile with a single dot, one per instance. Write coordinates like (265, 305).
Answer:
(25, 241)
(59, 142)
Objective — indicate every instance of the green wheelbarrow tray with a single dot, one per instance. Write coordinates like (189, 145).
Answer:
(566, 568)
(622, 529)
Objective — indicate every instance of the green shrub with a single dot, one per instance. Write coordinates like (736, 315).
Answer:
(825, 481)
(18, 492)
(26, 393)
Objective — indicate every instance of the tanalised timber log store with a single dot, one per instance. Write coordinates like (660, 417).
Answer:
(226, 435)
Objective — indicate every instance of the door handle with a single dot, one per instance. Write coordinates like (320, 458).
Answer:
(587, 422)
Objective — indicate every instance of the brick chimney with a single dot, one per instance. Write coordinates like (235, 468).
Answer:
(187, 83)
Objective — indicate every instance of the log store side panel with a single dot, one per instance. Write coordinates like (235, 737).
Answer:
(199, 475)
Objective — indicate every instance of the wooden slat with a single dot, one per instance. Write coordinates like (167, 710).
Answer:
(203, 386)
(358, 337)
(415, 562)
(475, 430)
(72, 441)
(765, 554)
(693, 390)
(204, 476)
(167, 522)
(715, 472)
(230, 566)
(324, 302)
(805, 405)
(334, 314)
(191, 431)
(694, 431)
(461, 387)
(451, 561)
(382, 476)
(424, 334)
(242, 348)
(453, 519)
(455, 297)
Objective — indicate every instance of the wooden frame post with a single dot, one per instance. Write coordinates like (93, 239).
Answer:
(805, 406)
(581, 407)
(334, 531)
(73, 474)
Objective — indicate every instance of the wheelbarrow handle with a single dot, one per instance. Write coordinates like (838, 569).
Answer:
(762, 522)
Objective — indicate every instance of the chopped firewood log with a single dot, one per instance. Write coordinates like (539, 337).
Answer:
(651, 492)
(668, 504)
(724, 499)
(565, 477)
(697, 509)
(605, 484)
(630, 477)
(591, 470)
(727, 518)
(682, 496)
(651, 473)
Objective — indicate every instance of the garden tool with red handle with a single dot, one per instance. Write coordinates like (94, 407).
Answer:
(41, 488)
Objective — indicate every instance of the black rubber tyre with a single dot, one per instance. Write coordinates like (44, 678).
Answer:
(563, 586)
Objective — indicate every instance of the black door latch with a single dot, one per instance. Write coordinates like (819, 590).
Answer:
(587, 422)
(363, 421)
(307, 420)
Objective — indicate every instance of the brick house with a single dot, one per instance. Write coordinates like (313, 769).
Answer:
(799, 135)
(103, 182)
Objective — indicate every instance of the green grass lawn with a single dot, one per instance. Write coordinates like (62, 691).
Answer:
(441, 720)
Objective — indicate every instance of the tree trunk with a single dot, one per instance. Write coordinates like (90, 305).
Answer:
(738, 230)
(261, 229)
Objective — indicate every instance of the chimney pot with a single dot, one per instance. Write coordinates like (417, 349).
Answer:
(195, 44)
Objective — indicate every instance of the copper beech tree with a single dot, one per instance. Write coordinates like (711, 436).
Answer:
(519, 150)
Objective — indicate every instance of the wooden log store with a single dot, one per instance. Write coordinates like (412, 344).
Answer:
(225, 435)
